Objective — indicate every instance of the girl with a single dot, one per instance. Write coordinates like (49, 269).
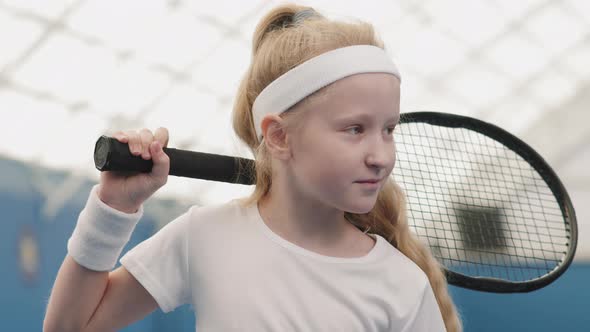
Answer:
(322, 244)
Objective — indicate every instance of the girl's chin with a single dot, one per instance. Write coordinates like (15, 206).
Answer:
(362, 206)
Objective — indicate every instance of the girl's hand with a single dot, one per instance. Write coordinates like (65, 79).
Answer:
(126, 191)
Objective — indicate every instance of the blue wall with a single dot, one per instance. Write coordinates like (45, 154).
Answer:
(564, 305)
(561, 306)
(24, 295)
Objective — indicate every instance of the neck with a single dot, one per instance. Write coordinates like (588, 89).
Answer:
(308, 223)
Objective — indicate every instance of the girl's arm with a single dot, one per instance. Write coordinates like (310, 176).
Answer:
(86, 300)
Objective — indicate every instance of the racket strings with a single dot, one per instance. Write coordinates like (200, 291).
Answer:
(483, 209)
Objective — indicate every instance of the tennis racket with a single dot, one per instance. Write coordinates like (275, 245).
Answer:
(493, 212)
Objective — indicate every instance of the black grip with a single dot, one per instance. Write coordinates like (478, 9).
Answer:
(112, 155)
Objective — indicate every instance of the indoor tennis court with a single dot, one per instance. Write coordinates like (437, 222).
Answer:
(513, 74)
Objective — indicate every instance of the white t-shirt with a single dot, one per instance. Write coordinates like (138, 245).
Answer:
(241, 276)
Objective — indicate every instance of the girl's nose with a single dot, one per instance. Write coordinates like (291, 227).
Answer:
(381, 154)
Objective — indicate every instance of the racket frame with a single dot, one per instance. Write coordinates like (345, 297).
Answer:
(497, 285)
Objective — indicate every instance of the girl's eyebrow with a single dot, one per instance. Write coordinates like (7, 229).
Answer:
(363, 116)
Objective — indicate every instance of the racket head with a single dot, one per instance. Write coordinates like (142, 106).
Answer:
(486, 234)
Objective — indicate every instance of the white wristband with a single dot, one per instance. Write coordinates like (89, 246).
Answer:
(101, 233)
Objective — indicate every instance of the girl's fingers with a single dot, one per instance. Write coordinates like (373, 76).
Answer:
(139, 142)
(121, 137)
(161, 166)
(134, 142)
(161, 136)
(146, 138)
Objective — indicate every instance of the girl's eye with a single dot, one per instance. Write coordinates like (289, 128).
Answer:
(389, 130)
(355, 127)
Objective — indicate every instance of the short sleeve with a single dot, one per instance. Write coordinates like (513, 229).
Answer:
(160, 264)
(426, 316)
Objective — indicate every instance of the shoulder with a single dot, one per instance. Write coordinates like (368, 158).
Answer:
(218, 211)
(217, 216)
(405, 286)
(405, 268)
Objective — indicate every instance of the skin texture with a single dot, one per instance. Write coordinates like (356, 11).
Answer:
(315, 169)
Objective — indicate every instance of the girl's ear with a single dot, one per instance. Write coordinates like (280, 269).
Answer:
(275, 137)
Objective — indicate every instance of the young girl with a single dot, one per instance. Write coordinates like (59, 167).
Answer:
(322, 244)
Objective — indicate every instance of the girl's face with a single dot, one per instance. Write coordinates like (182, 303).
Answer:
(348, 137)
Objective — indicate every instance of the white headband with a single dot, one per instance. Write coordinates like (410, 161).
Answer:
(316, 73)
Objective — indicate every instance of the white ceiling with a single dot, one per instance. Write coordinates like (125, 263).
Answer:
(71, 71)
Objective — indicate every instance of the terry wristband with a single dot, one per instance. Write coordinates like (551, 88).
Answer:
(101, 233)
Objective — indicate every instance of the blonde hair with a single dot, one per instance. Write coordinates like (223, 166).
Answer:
(283, 40)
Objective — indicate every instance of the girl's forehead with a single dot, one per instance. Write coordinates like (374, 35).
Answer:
(381, 86)
(370, 95)
(367, 79)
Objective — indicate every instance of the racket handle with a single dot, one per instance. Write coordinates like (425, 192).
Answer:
(112, 155)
